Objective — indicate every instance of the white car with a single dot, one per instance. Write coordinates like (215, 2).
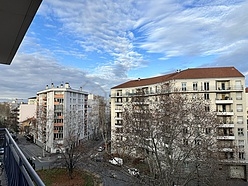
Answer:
(116, 161)
(134, 172)
(100, 149)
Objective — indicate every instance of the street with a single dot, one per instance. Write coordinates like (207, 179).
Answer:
(110, 175)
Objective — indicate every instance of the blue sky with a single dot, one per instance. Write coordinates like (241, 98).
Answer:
(98, 44)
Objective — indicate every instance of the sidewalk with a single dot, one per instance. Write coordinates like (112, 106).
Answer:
(3, 178)
(36, 151)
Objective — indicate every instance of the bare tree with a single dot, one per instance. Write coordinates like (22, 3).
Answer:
(42, 127)
(104, 121)
(99, 118)
(176, 134)
(73, 149)
(4, 114)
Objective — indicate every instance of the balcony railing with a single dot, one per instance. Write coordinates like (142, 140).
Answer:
(224, 101)
(226, 137)
(17, 168)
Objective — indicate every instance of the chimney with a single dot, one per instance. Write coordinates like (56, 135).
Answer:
(47, 87)
(52, 85)
(67, 85)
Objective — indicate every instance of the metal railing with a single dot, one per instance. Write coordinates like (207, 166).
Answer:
(18, 170)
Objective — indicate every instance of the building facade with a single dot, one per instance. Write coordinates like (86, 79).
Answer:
(224, 87)
(59, 109)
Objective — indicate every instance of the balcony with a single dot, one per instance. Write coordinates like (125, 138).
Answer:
(226, 126)
(118, 109)
(224, 101)
(118, 118)
(59, 96)
(225, 113)
(16, 168)
(230, 88)
(58, 124)
(226, 137)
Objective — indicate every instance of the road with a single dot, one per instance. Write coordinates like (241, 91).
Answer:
(111, 175)
(34, 152)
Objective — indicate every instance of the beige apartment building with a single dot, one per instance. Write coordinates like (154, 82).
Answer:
(223, 86)
(58, 107)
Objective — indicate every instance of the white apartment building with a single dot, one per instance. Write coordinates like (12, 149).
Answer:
(59, 107)
(27, 112)
(95, 106)
(223, 86)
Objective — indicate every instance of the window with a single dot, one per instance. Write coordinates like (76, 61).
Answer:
(151, 90)
(240, 131)
(208, 130)
(194, 85)
(207, 108)
(206, 85)
(238, 96)
(119, 130)
(206, 96)
(241, 143)
(238, 85)
(197, 141)
(241, 155)
(118, 93)
(156, 89)
(183, 86)
(185, 142)
(240, 119)
(58, 135)
(185, 130)
(239, 108)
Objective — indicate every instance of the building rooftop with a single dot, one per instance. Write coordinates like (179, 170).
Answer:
(190, 73)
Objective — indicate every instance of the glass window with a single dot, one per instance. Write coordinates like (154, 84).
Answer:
(239, 108)
(240, 131)
(206, 96)
(241, 143)
(241, 155)
(238, 85)
(238, 96)
(194, 85)
(183, 86)
(240, 119)
(206, 85)
(207, 108)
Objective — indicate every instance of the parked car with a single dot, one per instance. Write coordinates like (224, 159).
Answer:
(113, 175)
(96, 157)
(1, 150)
(29, 137)
(116, 161)
(134, 172)
(100, 149)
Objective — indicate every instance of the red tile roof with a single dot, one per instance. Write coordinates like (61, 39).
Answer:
(190, 73)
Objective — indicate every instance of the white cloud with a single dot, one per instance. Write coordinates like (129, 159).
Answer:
(122, 36)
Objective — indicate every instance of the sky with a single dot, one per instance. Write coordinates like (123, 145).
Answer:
(98, 44)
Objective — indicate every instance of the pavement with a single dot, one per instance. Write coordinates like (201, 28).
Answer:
(35, 151)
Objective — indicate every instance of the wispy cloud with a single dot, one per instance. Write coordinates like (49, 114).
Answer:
(110, 38)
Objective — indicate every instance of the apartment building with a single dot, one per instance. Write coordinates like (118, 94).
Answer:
(58, 109)
(224, 87)
(27, 113)
(96, 107)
